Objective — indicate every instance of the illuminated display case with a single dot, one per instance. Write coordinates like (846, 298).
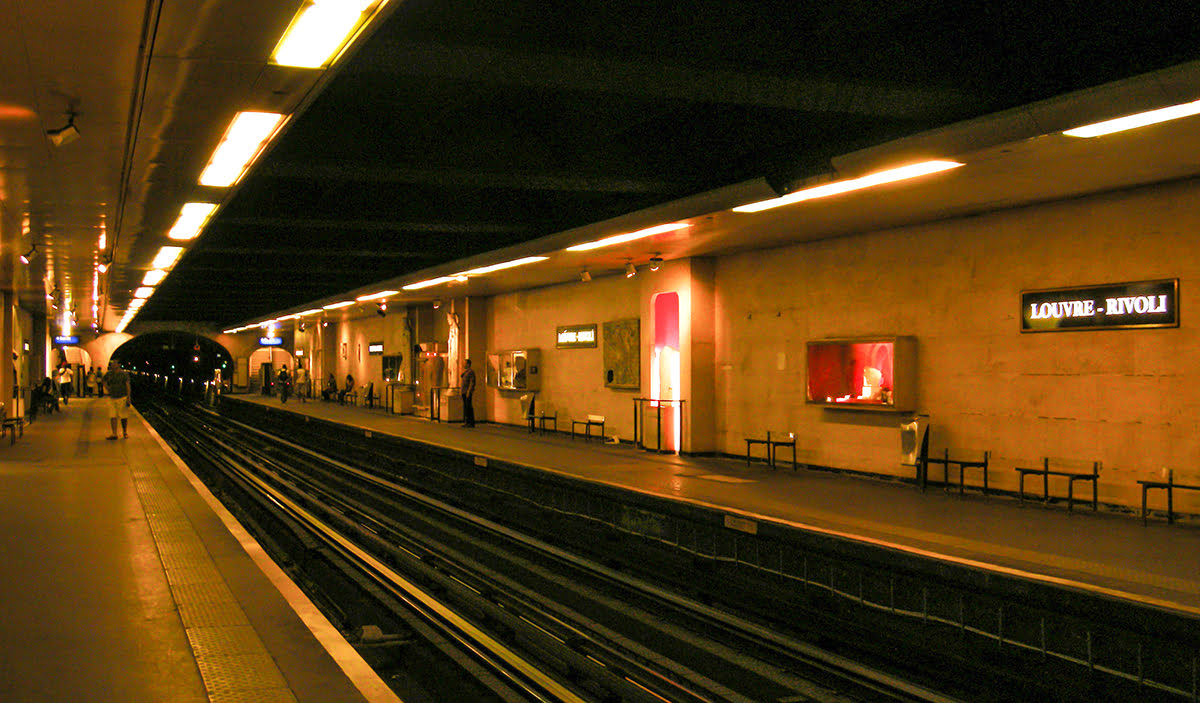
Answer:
(519, 370)
(874, 373)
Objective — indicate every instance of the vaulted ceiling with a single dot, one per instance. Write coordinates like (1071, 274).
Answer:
(452, 129)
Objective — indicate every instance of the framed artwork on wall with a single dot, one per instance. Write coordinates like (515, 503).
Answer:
(345, 350)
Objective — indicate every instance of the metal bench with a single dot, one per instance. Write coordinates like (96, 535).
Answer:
(12, 426)
(962, 465)
(588, 424)
(1046, 472)
(547, 413)
(771, 445)
(1169, 486)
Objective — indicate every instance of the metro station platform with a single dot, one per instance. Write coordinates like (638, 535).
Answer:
(124, 580)
(1103, 552)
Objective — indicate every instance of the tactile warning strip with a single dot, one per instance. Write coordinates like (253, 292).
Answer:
(233, 662)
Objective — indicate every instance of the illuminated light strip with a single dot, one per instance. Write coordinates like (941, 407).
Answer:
(245, 138)
(192, 218)
(306, 313)
(837, 187)
(1141, 119)
(144, 292)
(430, 282)
(166, 257)
(376, 296)
(318, 31)
(622, 238)
(499, 267)
(335, 306)
(153, 277)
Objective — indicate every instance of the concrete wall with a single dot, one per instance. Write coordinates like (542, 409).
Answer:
(572, 379)
(1125, 397)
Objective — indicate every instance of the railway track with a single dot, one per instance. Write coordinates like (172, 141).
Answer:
(449, 604)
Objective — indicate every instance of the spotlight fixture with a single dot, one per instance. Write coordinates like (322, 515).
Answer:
(28, 256)
(585, 276)
(655, 262)
(104, 264)
(437, 303)
(64, 135)
(630, 270)
(381, 309)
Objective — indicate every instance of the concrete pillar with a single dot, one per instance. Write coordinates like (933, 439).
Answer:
(474, 347)
(7, 348)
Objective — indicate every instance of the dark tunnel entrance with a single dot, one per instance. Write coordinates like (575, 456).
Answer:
(182, 355)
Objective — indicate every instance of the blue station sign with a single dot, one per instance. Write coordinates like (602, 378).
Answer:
(270, 341)
(67, 339)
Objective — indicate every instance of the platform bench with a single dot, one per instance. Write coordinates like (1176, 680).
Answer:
(962, 465)
(550, 415)
(771, 445)
(1169, 486)
(12, 426)
(1046, 472)
(588, 424)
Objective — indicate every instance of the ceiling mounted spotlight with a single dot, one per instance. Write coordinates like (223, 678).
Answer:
(64, 135)
(381, 308)
(585, 276)
(655, 262)
(437, 303)
(28, 256)
(630, 270)
(104, 264)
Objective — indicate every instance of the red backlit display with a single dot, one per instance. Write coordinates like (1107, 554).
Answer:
(859, 372)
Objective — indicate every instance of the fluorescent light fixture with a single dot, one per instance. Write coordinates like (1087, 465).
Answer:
(923, 168)
(153, 277)
(622, 238)
(317, 33)
(233, 331)
(314, 311)
(335, 306)
(499, 267)
(166, 257)
(290, 317)
(1140, 119)
(137, 303)
(430, 282)
(246, 136)
(376, 296)
(192, 218)
(144, 292)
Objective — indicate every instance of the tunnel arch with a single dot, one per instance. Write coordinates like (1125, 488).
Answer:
(174, 353)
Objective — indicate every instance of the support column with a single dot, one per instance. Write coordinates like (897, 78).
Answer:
(7, 348)
(474, 346)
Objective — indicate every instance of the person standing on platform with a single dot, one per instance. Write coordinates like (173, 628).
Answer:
(99, 383)
(64, 382)
(467, 386)
(302, 383)
(284, 381)
(119, 392)
(89, 382)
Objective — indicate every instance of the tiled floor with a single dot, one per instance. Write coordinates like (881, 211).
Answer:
(121, 583)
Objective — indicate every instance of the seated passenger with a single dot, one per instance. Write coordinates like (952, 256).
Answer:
(327, 393)
(349, 388)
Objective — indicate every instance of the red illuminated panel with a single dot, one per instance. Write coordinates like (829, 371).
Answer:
(859, 372)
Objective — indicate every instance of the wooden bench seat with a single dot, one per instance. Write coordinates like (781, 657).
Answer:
(781, 439)
(1046, 472)
(13, 427)
(588, 424)
(1169, 486)
(962, 465)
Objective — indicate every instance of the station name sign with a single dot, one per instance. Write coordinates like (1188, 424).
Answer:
(270, 341)
(1146, 304)
(576, 337)
(64, 339)
(375, 348)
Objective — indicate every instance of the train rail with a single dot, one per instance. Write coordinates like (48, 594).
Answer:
(519, 618)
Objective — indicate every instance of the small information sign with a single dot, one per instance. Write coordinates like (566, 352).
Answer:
(576, 337)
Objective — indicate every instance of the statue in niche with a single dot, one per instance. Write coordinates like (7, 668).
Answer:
(452, 350)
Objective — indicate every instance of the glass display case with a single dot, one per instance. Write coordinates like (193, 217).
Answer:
(877, 373)
(519, 370)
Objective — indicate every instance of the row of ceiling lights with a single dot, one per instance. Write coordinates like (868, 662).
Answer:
(313, 40)
(892, 175)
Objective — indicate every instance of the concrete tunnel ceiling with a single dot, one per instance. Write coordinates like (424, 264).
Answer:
(461, 128)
